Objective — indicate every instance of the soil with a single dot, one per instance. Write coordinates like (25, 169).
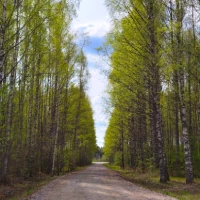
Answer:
(95, 182)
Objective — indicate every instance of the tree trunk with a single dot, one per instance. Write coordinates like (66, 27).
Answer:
(122, 144)
(56, 136)
(81, 87)
(2, 39)
(186, 143)
(10, 103)
(156, 90)
(185, 133)
(30, 134)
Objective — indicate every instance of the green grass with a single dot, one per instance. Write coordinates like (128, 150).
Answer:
(28, 187)
(20, 188)
(176, 187)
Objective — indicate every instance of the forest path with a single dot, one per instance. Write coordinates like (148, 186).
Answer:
(96, 182)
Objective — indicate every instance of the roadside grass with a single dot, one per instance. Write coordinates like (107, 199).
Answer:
(20, 188)
(176, 187)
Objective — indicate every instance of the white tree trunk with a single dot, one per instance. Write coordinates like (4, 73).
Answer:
(185, 135)
(2, 38)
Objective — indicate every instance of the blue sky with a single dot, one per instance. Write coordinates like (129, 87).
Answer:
(95, 42)
(93, 19)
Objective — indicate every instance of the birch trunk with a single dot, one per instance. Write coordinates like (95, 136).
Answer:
(164, 176)
(176, 87)
(2, 39)
(185, 133)
(156, 90)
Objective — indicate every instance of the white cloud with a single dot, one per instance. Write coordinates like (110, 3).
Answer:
(100, 137)
(93, 29)
(92, 58)
(93, 18)
(92, 10)
(97, 86)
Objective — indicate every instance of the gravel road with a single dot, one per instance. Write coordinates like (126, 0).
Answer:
(96, 182)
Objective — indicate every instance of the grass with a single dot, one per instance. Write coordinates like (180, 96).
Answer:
(176, 187)
(20, 188)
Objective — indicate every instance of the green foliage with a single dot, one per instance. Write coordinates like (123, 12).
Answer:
(118, 158)
(46, 121)
(154, 69)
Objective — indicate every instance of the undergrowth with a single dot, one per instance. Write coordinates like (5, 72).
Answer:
(176, 187)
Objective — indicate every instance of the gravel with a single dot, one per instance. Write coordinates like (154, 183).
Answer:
(96, 182)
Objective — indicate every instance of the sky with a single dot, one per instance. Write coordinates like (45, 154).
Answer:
(93, 19)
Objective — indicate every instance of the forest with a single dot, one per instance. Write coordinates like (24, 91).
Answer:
(46, 118)
(154, 87)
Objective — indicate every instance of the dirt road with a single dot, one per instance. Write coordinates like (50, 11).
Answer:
(96, 182)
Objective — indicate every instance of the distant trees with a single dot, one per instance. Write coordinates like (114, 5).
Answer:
(46, 120)
(154, 86)
(98, 156)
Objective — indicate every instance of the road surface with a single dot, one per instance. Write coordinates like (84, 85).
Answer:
(96, 182)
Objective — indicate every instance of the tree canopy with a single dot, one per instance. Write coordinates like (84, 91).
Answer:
(46, 119)
(154, 86)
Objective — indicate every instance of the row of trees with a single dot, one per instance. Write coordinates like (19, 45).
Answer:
(154, 86)
(46, 120)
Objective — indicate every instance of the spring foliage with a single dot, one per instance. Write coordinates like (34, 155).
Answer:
(154, 86)
(46, 119)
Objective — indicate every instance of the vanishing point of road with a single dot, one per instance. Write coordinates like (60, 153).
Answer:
(95, 182)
